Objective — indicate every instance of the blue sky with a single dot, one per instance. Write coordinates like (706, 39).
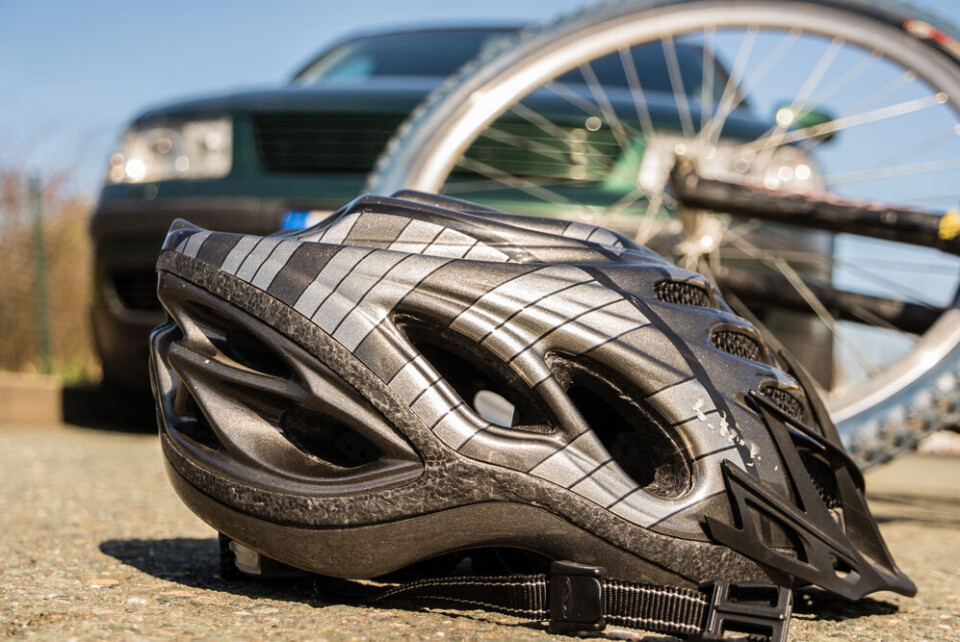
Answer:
(73, 73)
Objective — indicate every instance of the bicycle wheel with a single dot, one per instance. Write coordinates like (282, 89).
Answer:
(585, 117)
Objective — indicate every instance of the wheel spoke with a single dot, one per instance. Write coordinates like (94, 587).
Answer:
(603, 101)
(636, 93)
(927, 145)
(742, 230)
(707, 81)
(902, 266)
(627, 201)
(855, 120)
(676, 85)
(585, 105)
(769, 62)
(933, 201)
(648, 223)
(485, 184)
(810, 144)
(843, 81)
(811, 259)
(795, 280)
(770, 141)
(765, 289)
(913, 169)
(521, 142)
(872, 319)
(514, 182)
(908, 294)
(728, 99)
(548, 127)
(888, 90)
(840, 83)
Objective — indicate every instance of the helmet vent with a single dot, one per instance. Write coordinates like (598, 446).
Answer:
(737, 344)
(681, 293)
(823, 477)
(238, 343)
(327, 438)
(494, 408)
(785, 401)
(840, 567)
(191, 422)
(818, 468)
(246, 349)
(778, 535)
(490, 387)
(634, 434)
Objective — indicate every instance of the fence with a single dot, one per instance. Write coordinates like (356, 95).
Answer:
(45, 279)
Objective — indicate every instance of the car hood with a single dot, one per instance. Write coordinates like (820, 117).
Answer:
(376, 95)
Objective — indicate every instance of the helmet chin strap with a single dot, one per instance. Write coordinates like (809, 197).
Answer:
(577, 598)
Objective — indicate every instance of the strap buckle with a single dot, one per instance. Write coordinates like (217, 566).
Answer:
(753, 608)
(576, 597)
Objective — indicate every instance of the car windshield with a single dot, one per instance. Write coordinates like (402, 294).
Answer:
(438, 53)
(432, 54)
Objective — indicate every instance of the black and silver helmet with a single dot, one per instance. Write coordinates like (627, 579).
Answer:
(419, 375)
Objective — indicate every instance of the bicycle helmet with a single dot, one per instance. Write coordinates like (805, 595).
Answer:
(419, 375)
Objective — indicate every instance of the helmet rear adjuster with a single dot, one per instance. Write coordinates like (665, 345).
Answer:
(238, 562)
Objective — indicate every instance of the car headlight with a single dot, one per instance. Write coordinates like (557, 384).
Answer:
(190, 149)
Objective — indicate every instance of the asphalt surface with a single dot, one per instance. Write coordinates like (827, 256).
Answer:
(95, 545)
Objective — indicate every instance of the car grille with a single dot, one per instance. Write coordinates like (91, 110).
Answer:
(321, 143)
(136, 289)
(331, 143)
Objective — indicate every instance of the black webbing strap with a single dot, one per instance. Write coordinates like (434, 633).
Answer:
(660, 609)
(576, 597)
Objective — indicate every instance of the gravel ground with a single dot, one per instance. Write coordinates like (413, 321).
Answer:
(96, 545)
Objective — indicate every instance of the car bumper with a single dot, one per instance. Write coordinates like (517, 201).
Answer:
(127, 236)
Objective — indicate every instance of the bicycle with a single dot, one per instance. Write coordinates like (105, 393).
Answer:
(530, 128)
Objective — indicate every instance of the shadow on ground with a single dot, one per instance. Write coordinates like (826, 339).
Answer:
(106, 407)
(195, 563)
(816, 604)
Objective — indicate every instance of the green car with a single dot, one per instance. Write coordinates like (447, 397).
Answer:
(240, 161)
(262, 160)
